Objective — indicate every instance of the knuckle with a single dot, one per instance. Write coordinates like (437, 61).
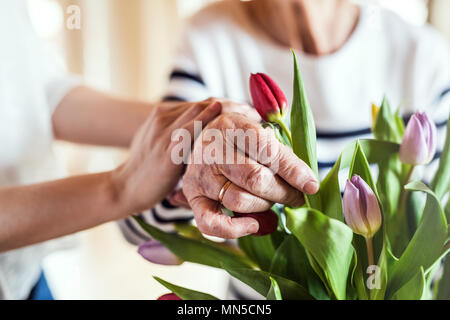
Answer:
(230, 231)
(215, 226)
(197, 108)
(270, 152)
(189, 186)
(202, 227)
(234, 201)
(211, 99)
(218, 122)
(256, 180)
(293, 197)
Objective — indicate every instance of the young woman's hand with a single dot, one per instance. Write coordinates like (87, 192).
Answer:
(150, 174)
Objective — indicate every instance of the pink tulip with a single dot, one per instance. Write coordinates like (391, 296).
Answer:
(155, 252)
(268, 221)
(361, 209)
(419, 142)
(268, 99)
(169, 296)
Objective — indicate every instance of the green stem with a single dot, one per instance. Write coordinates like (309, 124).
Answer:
(404, 194)
(285, 129)
(308, 204)
(370, 256)
(410, 174)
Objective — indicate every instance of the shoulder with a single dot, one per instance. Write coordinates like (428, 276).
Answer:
(418, 40)
(420, 55)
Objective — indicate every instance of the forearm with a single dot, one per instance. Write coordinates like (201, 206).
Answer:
(32, 214)
(91, 117)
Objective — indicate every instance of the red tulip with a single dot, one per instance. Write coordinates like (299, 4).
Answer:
(268, 99)
(268, 221)
(169, 296)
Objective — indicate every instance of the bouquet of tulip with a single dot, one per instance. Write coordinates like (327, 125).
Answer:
(385, 238)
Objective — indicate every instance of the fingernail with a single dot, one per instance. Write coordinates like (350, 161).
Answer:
(253, 228)
(311, 187)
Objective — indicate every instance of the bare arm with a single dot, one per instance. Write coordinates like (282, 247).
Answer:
(31, 214)
(91, 117)
(88, 116)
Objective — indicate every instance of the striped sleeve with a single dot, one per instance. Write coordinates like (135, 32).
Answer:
(187, 83)
(164, 216)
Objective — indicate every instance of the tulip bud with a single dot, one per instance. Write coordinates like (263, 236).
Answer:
(375, 112)
(361, 209)
(155, 252)
(268, 221)
(169, 296)
(419, 141)
(268, 99)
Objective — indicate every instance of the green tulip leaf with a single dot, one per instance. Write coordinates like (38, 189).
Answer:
(330, 192)
(328, 242)
(302, 122)
(414, 289)
(390, 183)
(427, 243)
(360, 166)
(279, 134)
(388, 125)
(441, 181)
(291, 262)
(303, 129)
(261, 283)
(442, 286)
(196, 251)
(274, 291)
(259, 249)
(447, 210)
(356, 286)
(185, 294)
(385, 263)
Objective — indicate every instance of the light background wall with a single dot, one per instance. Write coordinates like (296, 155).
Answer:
(126, 46)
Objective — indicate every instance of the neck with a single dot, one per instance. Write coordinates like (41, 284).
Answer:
(317, 27)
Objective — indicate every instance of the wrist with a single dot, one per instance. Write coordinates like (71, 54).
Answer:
(118, 195)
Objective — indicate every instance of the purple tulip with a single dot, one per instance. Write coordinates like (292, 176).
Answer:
(268, 99)
(155, 252)
(361, 209)
(419, 142)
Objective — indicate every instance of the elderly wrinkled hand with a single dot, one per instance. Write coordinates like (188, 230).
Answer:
(150, 173)
(242, 166)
